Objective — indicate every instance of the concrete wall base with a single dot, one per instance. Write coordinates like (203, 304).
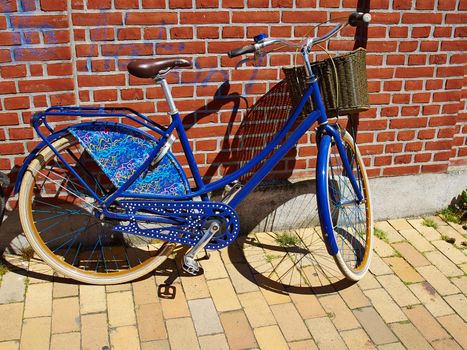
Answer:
(293, 205)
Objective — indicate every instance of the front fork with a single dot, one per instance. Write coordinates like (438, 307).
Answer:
(326, 136)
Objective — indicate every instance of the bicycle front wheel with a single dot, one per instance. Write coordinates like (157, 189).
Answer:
(351, 219)
(61, 220)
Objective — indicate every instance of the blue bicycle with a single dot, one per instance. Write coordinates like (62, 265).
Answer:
(105, 202)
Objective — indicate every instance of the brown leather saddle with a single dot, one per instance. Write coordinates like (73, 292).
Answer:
(152, 67)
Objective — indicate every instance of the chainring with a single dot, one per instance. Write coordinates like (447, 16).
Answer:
(189, 219)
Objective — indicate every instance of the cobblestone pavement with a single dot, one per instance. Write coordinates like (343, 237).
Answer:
(414, 297)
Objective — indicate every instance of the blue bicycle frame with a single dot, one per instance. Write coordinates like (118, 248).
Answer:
(326, 134)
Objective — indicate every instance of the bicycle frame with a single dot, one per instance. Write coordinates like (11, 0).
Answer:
(202, 189)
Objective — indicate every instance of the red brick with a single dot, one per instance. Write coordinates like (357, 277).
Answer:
(39, 21)
(170, 47)
(150, 18)
(422, 17)
(97, 19)
(105, 95)
(425, 4)
(102, 34)
(99, 4)
(385, 18)
(19, 102)
(126, 4)
(265, 3)
(8, 6)
(101, 80)
(406, 123)
(42, 54)
(447, 5)
(20, 133)
(442, 32)
(181, 33)
(16, 71)
(398, 32)
(46, 85)
(298, 17)
(233, 32)
(202, 17)
(434, 168)
(180, 4)
(9, 38)
(11, 147)
(240, 3)
(414, 72)
(402, 4)
(158, 33)
(153, 4)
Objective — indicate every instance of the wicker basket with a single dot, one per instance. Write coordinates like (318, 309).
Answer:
(352, 80)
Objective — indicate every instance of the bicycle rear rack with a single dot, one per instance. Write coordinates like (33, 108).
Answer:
(110, 113)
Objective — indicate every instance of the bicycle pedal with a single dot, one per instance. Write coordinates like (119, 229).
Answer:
(190, 265)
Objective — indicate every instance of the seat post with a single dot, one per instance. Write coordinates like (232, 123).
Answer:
(168, 95)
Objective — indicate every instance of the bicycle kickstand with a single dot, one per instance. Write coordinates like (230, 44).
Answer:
(190, 265)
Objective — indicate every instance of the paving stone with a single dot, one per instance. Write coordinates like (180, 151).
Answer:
(65, 341)
(223, 295)
(10, 321)
(270, 337)
(368, 282)
(39, 272)
(289, 320)
(445, 344)
(237, 330)
(151, 324)
(378, 266)
(459, 303)
(432, 300)
(182, 335)
(12, 288)
(36, 333)
(354, 297)
(392, 234)
(459, 228)
(123, 287)
(94, 333)
(428, 232)
(456, 327)
(437, 220)
(437, 280)
(398, 291)
(446, 266)
(325, 334)
(177, 307)
(205, 317)
(145, 291)
(382, 248)
(9, 345)
(156, 345)
(303, 345)
(242, 278)
(213, 342)
(402, 269)
(357, 339)
(214, 267)
(120, 309)
(64, 290)
(411, 254)
(461, 283)
(451, 252)
(65, 315)
(374, 325)
(195, 287)
(124, 338)
(338, 312)
(38, 300)
(410, 336)
(307, 305)
(417, 240)
(385, 306)
(233, 254)
(92, 299)
(393, 346)
(256, 309)
(426, 324)
(400, 224)
(463, 267)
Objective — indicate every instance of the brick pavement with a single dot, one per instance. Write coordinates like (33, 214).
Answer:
(250, 297)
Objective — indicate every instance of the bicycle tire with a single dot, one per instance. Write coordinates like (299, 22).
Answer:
(52, 201)
(352, 222)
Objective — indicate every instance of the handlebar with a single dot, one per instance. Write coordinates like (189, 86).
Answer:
(355, 18)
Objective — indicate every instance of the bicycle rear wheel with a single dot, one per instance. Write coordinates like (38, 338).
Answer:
(61, 220)
(351, 220)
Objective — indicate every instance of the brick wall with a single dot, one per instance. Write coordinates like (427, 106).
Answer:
(57, 52)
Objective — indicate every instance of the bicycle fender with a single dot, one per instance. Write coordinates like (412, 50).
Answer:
(32, 155)
(322, 194)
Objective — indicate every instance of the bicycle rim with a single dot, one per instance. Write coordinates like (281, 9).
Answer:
(60, 219)
(351, 220)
